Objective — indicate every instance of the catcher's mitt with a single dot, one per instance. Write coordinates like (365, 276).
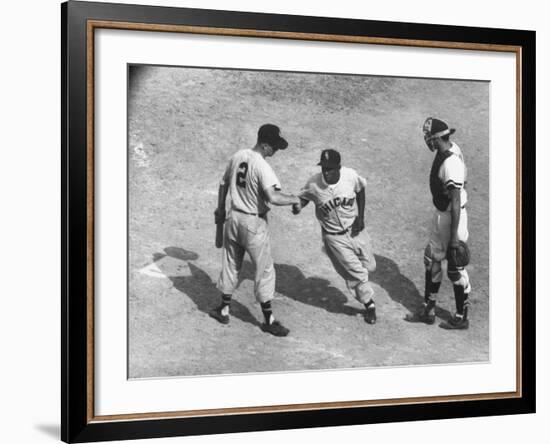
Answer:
(458, 257)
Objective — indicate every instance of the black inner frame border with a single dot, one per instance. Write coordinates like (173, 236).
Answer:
(76, 424)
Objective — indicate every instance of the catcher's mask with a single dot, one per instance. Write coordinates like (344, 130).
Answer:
(433, 129)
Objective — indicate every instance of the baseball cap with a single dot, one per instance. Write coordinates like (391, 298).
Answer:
(436, 128)
(271, 134)
(330, 159)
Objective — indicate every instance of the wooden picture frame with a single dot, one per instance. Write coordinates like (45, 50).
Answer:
(80, 20)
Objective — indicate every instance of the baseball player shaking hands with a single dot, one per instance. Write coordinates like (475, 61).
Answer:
(251, 184)
(339, 197)
(449, 228)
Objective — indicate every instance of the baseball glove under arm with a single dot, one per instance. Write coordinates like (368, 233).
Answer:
(219, 216)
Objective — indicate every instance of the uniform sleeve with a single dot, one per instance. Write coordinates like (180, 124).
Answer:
(452, 172)
(360, 183)
(305, 192)
(267, 177)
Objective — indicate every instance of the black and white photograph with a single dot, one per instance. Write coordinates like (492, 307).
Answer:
(296, 221)
(277, 222)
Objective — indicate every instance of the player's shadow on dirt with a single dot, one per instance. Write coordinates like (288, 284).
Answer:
(399, 287)
(292, 283)
(318, 292)
(200, 288)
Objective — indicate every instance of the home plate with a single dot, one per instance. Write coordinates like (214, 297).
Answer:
(166, 267)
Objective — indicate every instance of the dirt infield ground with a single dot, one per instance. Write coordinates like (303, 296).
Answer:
(184, 124)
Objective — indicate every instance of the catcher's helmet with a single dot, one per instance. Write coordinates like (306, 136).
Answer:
(434, 128)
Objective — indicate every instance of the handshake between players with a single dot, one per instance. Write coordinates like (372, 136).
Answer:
(338, 194)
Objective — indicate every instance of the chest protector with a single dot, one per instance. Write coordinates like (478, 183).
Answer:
(440, 196)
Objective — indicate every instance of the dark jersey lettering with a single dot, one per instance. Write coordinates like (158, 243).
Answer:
(331, 205)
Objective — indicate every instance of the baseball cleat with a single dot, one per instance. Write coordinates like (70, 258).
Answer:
(275, 328)
(216, 313)
(370, 315)
(457, 322)
(421, 316)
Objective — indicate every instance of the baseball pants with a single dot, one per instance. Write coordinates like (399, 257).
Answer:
(245, 233)
(436, 250)
(352, 259)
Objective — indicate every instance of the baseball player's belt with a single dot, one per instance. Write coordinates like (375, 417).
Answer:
(336, 233)
(262, 215)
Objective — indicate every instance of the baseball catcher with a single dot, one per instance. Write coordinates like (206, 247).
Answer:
(449, 228)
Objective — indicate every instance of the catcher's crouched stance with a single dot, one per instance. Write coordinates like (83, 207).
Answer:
(449, 230)
(251, 184)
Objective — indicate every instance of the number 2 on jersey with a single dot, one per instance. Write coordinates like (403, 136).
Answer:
(241, 174)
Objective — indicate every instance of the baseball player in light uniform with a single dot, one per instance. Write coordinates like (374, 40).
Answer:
(449, 224)
(251, 184)
(338, 194)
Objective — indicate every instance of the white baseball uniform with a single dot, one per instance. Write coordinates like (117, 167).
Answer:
(451, 174)
(248, 175)
(336, 210)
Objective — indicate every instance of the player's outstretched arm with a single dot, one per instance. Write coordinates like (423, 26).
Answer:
(297, 207)
(277, 197)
